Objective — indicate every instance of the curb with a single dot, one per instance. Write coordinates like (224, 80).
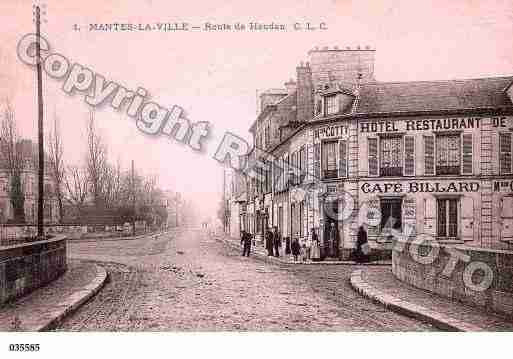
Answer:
(74, 301)
(281, 261)
(411, 310)
(129, 238)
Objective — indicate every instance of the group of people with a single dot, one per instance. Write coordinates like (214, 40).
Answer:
(273, 242)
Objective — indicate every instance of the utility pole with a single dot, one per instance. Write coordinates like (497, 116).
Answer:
(133, 198)
(40, 229)
(225, 215)
(177, 202)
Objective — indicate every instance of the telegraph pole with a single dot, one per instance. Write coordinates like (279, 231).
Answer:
(133, 198)
(40, 230)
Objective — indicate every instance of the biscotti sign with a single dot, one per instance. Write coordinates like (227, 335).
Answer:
(420, 187)
(331, 131)
(442, 124)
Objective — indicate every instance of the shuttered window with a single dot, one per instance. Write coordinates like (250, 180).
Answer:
(391, 156)
(429, 155)
(329, 159)
(317, 161)
(409, 155)
(342, 158)
(505, 152)
(467, 154)
(302, 164)
(372, 147)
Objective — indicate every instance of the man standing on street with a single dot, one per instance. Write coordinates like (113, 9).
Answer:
(276, 242)
(269, 242)
(246, 242)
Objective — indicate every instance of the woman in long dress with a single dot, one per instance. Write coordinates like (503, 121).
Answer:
(315, 253)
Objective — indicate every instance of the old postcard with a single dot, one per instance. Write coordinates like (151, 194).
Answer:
(271, 166)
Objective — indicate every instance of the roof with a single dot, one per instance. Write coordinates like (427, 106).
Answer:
(387, 97)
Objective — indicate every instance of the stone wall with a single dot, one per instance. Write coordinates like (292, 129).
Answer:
(467, 281)
(25, 267)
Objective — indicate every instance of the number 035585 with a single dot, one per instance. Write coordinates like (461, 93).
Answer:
(23, 347)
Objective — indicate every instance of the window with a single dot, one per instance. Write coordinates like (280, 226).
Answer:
(293, 219)
(391, 213)
(329, 159)
(448, 153)
(331, 104)
(302, 164)
(317, 160)
(447, 213)
(391, 163)
(505, 153)
(301, 218)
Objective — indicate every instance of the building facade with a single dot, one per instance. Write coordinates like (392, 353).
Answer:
(340, 150)
(29, 181)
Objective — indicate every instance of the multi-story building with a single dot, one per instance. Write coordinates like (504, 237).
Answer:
(342, 149)
(29, 180)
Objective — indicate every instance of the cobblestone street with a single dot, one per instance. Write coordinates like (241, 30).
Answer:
(189, 281)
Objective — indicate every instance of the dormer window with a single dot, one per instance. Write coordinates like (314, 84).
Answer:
(331, 105)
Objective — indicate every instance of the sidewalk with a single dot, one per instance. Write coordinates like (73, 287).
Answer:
(261, 253)
(44, 308)
(380, 285)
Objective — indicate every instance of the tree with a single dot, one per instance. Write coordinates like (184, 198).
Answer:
(77, 184)
(12, 152)
(97, 165)
(55, 151)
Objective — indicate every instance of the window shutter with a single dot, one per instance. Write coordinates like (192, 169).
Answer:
(429, 155)
(372, 143)
(342, 158)
(505, 152)
(317, 161)
(467, 154)
(409, 155)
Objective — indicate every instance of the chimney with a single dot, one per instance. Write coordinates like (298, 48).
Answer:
(344, 65)
(291, 86)
(305, 92)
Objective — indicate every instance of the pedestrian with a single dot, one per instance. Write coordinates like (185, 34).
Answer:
(276, 241)
(269, 242)
(362, 246)
(333, 245)
(295, 249)
(246, 242)
(304, 252)
(315, 250)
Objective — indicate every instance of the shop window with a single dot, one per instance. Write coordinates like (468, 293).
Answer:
(447, 218)
(391, 156)
(448, 154)
(391, 213)
(331, 105)
(505, 153)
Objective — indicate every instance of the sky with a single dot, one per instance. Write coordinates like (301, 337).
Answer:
(215, 76)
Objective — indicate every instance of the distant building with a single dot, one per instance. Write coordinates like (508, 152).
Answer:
(29, 181)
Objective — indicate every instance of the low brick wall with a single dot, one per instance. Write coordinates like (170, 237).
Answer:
(491, 283)
(25, 267)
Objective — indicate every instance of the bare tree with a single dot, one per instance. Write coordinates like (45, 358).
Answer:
(96, 160)
(55, 151)
(76, 181)
(114, 185)
(12, 154)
